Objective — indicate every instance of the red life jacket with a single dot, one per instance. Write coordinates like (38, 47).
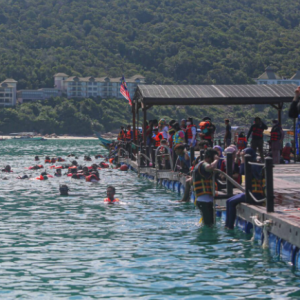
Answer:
(104, 165)
(53, 160)
(90, 177)
(275, 133)
(257, 132)
(286, 153)
(111, 201)
(60, 160)
(189, 131)
(47, 161)
(241, 143)
(158, 138)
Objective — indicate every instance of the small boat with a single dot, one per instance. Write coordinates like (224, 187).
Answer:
(27, 136)
(103, 142)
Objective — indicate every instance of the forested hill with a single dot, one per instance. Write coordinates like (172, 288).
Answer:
(168, 41)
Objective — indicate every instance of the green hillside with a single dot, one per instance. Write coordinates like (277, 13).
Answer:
(167, 41)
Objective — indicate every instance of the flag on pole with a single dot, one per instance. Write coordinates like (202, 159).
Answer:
(124, 91)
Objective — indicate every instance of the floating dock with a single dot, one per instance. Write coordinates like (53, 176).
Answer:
(283, 225)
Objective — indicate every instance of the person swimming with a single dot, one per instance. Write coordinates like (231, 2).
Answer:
(36, 158)
(87, 158)
(58, 173)
(23, 177)
(64, 190)
(7, 169)
(110, 192)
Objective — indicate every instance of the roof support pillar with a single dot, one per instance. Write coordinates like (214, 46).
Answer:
(280, 105)
(144, 126)
(133, 119)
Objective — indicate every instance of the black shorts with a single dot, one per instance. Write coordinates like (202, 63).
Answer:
(207, 211)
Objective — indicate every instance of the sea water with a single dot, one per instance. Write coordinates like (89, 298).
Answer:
(147, 247)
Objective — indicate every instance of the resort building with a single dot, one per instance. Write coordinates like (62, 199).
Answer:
(35, 95)
(270, 77)
(8, 89)
(103, 87)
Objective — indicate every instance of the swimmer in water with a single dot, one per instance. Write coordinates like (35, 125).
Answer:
(7, 169)
(58, 173)
(87, 158)
(64, 190)
(110, 192)
(71, 155)
(36, 158)
(23, 177)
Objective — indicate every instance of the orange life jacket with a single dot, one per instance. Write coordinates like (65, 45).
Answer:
(189, 131)
(128, 135)
(47, 161)
(204, 129)
(158, 138)
(111, 201)
(121, 135)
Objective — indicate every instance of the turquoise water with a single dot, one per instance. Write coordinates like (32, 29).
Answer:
(147, 247)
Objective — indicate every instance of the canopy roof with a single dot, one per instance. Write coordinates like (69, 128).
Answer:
(214, 94)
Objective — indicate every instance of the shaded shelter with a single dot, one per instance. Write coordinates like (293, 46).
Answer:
(148, 95)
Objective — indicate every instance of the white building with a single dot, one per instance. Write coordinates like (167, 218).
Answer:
(103, 87)
(8, 91)
(270, 77)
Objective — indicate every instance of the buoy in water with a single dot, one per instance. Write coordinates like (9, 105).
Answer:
(124, 168)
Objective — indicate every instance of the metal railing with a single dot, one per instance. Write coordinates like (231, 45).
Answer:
(161, 155)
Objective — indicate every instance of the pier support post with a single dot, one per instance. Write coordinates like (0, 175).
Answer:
(148, 154)
(192, 155)
(269, 184)
(153, 156)
(248, 178)
(229, 171)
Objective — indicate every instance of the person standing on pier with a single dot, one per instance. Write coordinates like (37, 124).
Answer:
(203, 185)
(129, 134)
(257, 188)
(191, 132)
(276, 141)
(227, 137)
(257, 130)
(207, 130)
(179, 136)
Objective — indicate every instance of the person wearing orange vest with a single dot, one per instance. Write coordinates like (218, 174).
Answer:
(191, 132)
(129, 134)
(207, 130)
(257, 131)
(157, 137)
(110, 192)
(276, 141)
(121, 135)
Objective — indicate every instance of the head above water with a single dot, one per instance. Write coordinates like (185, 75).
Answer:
(64, 190)
(110, 192)
(8, 168)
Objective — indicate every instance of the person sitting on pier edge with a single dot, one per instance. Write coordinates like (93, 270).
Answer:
(110, 192)
(183, 157)
(276, 141)
(179, 136)
(122, 134)
(203, 185)
(257, 189)
(7, 169)
(207, 130)
(242, 141)
(227, 137)
(257, 141)
(294, 110)
(191, 132)
(235, 164)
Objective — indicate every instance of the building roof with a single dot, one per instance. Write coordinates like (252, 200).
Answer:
(103, 79)
(269, 74)
(213, 94)
(138, 76)
(6, 85)
(296, 76)
(10, 80)
(60, 75)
